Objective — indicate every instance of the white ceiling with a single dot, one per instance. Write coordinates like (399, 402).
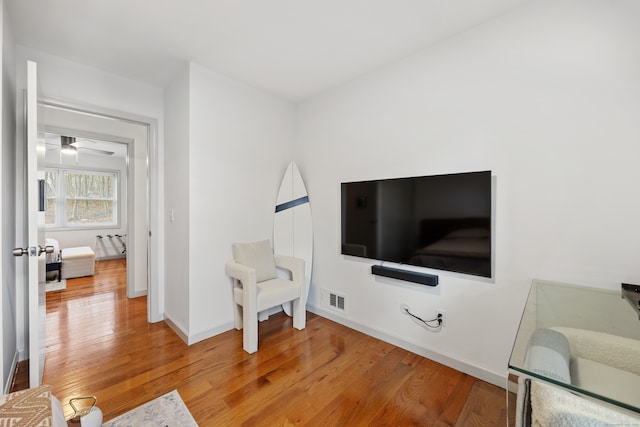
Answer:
(292, 48)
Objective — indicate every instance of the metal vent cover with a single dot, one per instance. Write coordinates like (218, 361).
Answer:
(337, 301)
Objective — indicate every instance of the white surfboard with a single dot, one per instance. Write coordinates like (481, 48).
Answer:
(292, 227)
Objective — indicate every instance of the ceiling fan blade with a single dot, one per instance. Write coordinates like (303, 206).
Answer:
(95, 150)
(84, 139)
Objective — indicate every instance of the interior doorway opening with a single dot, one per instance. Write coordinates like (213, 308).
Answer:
(132, 140)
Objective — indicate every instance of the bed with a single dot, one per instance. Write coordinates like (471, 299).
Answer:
(462, 245)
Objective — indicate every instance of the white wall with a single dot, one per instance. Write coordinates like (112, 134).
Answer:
(176, 256)
(548, 98)
(240, 142)
(66, 80)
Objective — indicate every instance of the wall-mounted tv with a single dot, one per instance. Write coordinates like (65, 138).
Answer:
(438, 221)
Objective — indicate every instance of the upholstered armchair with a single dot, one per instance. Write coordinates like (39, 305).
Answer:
(257, 287)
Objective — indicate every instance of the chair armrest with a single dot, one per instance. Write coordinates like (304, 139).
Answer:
(247, 277)
(241, 272)
(294, 265)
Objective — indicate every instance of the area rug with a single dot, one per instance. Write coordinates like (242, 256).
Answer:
(168, 410)
(55, 285)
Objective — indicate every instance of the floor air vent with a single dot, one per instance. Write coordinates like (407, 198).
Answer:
(336, 301)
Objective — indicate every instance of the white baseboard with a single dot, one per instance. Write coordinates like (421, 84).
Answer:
(461, 365)
(200, 336)
(211, 332)
(137, 294)
(179, 330)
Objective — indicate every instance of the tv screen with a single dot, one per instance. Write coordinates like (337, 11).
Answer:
(439, 221)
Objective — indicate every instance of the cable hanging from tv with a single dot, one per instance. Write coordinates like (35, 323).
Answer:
(427, 323)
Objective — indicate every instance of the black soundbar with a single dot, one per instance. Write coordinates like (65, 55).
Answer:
(406, 275)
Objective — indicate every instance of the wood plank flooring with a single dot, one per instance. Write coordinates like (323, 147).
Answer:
(99, 343)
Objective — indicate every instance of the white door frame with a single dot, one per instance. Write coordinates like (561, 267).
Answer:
(155, 312)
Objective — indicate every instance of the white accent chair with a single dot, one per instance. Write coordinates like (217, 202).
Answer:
(257, 287)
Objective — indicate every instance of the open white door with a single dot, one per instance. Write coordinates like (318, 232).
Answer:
(35, 249)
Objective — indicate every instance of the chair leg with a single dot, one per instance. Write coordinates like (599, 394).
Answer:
(237, 317)
(299, 315)
(250, 331)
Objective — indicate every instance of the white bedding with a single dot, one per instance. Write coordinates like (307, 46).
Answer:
(55, 256)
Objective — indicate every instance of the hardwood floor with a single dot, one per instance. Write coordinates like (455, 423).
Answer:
(99, 343)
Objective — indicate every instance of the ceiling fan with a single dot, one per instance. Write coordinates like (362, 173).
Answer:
(71, 145)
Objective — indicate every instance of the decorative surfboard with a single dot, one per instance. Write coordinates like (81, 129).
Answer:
(292, 227)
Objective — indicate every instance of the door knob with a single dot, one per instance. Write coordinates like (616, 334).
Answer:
(47, 249)
(20, 251)
(32, 251)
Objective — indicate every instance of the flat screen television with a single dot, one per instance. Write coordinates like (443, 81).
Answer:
(439, 221)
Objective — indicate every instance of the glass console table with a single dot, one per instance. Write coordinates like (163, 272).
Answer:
(602, 330)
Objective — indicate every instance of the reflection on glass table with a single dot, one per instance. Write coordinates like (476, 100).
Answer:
(582, 340)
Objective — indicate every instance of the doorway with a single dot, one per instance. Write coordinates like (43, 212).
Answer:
(137, 135)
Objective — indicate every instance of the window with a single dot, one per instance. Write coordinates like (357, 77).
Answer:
(81, 198)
